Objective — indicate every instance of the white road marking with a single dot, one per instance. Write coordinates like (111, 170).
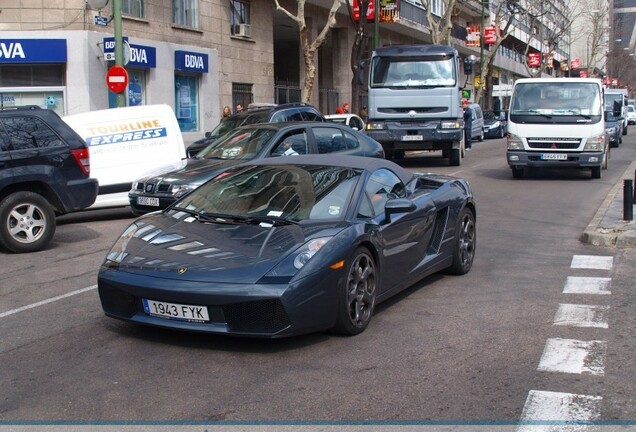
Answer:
(549, 411)
(573, 356)
(592, 262)
(587, 285)
(573, 315)
(47, 301)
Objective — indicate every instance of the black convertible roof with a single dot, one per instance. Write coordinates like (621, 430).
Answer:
(357, 162)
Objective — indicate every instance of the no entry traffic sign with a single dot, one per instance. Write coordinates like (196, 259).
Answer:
(117, 79)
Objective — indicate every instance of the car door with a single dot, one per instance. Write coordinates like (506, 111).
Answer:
(6, 170)
(402, 242)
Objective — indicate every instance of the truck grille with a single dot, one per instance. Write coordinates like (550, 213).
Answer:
(554, 143)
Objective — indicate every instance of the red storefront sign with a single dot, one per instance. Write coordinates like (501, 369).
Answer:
(534, 59)
(576, 63)
(473, 35)
(490, 35)
(583, 73)
(370, 10)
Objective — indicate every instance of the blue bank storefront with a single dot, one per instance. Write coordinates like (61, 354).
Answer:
(65, 71)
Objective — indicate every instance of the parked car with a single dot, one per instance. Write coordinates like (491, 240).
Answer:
(284, 246)
(256, 141)
(258, 113)
(478, 122)
(44, 171)
(613, 129)
(352, 120)
(631, 115)
(494, 125)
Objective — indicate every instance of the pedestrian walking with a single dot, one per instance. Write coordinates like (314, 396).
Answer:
(468, 124)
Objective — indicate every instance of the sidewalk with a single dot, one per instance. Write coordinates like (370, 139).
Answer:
(608, 228)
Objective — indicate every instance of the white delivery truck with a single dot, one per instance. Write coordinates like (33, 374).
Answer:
(557, 122)
(128, 143)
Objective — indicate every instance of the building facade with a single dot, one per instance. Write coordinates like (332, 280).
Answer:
(200, 55)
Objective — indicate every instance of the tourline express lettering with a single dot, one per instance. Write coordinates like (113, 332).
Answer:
(126, 137)
(124, 127)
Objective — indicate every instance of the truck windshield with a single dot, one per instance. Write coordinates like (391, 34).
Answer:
(614, 101)
(412, 72)
(552, 100)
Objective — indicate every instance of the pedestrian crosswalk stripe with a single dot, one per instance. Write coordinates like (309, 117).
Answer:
(587, 285)
(592, 262)
(573, 315)
(574, 356)
(553, 411)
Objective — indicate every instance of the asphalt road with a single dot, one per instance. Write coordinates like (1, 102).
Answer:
(449, 350)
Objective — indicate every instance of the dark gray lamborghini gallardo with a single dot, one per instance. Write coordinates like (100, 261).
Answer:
(285, 246)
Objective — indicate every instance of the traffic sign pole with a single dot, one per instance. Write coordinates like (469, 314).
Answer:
(119, 46)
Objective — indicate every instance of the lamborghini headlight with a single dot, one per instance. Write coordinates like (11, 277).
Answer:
(299, 258)
(118, 252)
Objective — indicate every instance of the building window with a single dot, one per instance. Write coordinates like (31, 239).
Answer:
(135, 92)
(186, 103)
(186, 13)
(438, 7)
(133, 8)
(242, 94)
(240, 18)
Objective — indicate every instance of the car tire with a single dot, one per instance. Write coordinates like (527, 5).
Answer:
(357, 294)
(596, 172)
(501, 133)
(464, 244)
(28, 222)
(455, 157)
(517, 172)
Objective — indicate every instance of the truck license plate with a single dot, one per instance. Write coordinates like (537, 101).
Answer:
(148, 201)
(554, 156)
(412, 138)
(176, 311)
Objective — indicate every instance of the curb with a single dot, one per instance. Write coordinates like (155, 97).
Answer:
(622, 233)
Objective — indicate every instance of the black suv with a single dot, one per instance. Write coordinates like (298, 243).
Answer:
(258, 113)
(44, 171)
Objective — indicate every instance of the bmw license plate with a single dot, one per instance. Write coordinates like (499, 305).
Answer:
(148, 201)
(412, 138)
(176, 311)
(554, 156)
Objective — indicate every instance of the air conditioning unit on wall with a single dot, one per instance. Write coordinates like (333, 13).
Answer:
(242, 30)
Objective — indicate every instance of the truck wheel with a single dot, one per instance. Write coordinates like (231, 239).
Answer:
(455, 157)
(388, 151)
(27, 222)
(517, 172)
(398, 154)
(596, 172)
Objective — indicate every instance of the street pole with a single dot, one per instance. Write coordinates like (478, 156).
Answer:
(481, 55)
(119, 46)
(376, 24)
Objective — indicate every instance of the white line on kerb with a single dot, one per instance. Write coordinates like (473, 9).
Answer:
(47, 301)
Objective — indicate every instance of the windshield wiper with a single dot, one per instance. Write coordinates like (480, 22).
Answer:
(531, 112)
(271, 219)
(221, 218)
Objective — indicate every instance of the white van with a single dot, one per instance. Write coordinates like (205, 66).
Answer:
(127, 143)
(557, 122)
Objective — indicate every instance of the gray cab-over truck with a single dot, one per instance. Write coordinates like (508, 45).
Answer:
(414, 95)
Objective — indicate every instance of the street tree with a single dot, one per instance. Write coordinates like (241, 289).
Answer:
(506, 13)
(310, 48)
(359, 49)
(550, 27)
(440, 26)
